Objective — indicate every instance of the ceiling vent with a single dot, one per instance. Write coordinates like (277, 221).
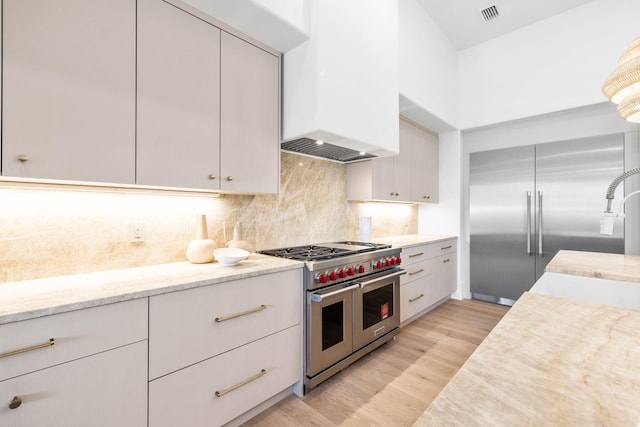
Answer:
(311, 147)
(490, 13)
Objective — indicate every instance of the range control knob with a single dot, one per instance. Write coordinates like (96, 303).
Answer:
(398, 260)
(342, 274)
(321, 278)
(387, 262)
(378, 264)
(351, 271)
(361, 269)
(333, 275)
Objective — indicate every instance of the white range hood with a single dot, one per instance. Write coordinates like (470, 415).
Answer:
(341, 85)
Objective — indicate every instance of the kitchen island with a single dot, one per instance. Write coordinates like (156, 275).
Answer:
(553, 360)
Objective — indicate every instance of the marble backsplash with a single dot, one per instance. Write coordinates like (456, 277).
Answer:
(53, 232)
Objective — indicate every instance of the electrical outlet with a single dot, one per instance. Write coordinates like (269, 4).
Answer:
(136, 232)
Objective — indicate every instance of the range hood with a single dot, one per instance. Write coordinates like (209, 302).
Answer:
(315, 148)
(341, 85)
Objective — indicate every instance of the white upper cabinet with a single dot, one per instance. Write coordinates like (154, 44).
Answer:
(250, 117)
(208, 105)
(424, 169)
(341, 85)
(178, 132)
(68, 90)
(411, 176)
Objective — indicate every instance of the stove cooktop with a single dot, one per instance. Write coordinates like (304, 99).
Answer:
(324, 251)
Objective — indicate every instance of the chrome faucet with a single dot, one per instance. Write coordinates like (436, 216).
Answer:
(606, 222)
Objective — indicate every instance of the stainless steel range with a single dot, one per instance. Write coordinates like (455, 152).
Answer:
(352, 302)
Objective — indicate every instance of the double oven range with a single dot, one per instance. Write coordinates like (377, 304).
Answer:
(352, 302)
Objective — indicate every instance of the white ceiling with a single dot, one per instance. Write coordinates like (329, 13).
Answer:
(463, 24)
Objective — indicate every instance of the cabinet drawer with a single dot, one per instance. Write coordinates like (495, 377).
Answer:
(106, 389)
(445, 247)
(189, 326)
(265, 367)
(75, 334)
(417, 271)
(415, 296)
(415, 254)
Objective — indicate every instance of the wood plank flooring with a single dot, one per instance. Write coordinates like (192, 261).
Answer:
(393, 385)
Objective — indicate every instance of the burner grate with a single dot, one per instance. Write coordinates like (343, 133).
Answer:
(324, 251)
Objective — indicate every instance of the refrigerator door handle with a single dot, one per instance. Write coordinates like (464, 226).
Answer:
(540, 223)
(529, 251)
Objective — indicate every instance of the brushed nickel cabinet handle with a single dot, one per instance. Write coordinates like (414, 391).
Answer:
(416, 272)
(212, 176)
(23, 158)
(15, 402)
(415, 255)
(416, 298)
(242, 313)
(446, 247)
(25, 349)
(426, 197)
(446, 260)
(220, 393)
(229, 178)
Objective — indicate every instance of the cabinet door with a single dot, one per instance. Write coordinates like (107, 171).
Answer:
(446, 276)
(68, 85)
(107, 389)
(382, 182)
(219, 389)
(250, 118)
(402, 165)
(424, 166)
(189, 326)
(178, 121)
(391, 176)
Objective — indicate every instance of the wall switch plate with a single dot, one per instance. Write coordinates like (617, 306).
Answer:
(136, 232)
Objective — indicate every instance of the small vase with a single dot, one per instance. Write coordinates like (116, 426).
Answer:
(200, 250)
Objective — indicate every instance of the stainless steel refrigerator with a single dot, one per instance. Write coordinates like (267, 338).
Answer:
(526, 203)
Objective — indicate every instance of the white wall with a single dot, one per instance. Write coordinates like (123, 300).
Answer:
(428, 70)
(555, 64)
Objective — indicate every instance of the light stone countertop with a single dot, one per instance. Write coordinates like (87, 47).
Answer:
(596, 264)
(550, 361)
(410, 240)
(41, 297)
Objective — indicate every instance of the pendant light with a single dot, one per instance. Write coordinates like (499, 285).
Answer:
(623, 85)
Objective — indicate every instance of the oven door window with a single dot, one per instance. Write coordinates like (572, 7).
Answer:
(377, 305)
(332, 325)
(329, 328)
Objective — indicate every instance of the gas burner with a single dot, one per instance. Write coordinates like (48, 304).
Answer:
(324, 251)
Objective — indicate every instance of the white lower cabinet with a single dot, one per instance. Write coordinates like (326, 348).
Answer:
(431, 277)
(81, 368)
(107, 389)
(218, 351)
(217, 390)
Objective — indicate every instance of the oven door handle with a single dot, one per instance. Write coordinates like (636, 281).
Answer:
(377, 279)
(319, 297)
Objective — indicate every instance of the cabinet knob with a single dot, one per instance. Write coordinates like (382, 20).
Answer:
(212, 176)
(426, 197)
(229, 178)
(15, 402)
(23, 157)
(391, 194)
(397, 194)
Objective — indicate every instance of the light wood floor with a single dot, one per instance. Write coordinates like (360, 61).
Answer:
(393, 385)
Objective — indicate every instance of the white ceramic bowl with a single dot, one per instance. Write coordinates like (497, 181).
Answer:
(230, 256)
